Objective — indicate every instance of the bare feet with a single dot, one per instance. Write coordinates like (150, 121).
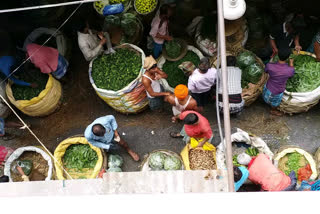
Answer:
(134, 155)
(276, 113)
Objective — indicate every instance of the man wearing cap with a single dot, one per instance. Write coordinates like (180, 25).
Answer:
(150, 81)
(201, 81)
(315, 46)
(181, 101)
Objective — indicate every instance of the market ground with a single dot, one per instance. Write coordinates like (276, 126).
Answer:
(148, 131)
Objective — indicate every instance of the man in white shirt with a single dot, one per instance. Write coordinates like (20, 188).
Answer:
(201, 81)
(93, 43)
(236, 103)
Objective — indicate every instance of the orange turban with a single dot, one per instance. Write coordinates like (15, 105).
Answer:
(181, 91)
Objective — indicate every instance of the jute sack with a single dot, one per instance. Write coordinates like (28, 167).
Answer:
(46, 103)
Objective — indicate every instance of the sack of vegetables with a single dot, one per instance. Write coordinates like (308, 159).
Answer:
(162, 160)
(36, 102)
(303, 89)
(116, 78)
(41, 164)
(80, 159)
(292, 158)
(175, 75)
(253, 75)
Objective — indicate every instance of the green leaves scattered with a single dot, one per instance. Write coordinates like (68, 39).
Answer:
(30, 76)
(293, 163)
(307, 74)
(80, 156)
(175, 75)
(173, 49)
(115, 71)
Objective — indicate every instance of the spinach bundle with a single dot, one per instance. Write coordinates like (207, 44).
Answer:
(307, 74)
(175, 75)
(80, 156)
(30, 76)
(115, 71)
(173, 49)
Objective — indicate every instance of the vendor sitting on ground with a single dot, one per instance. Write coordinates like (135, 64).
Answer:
(236, 103)
(181, 101)
(103, 133)
(195, 126)
(279, 73)
(7, 64)
(315, 46)
(93, 43)
(150, 81)
(201, 81)
(48, 60)
(241, 174)
(10, 124)
(263, 172)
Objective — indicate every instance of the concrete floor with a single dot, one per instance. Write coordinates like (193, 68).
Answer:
(149, 131)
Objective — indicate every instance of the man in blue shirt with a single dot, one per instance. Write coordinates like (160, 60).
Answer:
(6, 67)
(103, 133)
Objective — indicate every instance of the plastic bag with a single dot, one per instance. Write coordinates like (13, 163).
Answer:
(243, 159)
(253, 73)
(187, 67)
(115, 161)
(26, 166)
(113, 9)
(207, 146)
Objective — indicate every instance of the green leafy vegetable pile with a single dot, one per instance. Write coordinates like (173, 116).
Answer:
(30, 76)
(251, 70)
(294, 162)
(115, 71)
(80, 156)
(252, 151)
(175, 75)
(161, 161)
(307, 75)
(173, 49)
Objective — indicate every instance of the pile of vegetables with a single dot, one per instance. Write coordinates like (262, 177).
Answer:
(251, 70)
(115, 71)
(30, 76)
(128, 22)
(295, 162)
(145, 6)
(173, 49)
(162, 161)
(201, 159)
(114, 163)
(307, 74)
(175, 75)
(251, 151)
(80, 156)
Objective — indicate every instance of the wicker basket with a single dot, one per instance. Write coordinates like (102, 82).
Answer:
(134, 4)
(183, 52)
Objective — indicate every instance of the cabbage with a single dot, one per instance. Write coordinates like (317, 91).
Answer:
(253, 73)
(172, 163)
(115, 161)
(114, 169)
(156, 161)
(245, 59)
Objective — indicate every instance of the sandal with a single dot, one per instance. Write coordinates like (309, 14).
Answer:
(175, 135)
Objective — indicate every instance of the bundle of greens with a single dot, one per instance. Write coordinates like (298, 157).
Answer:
(175, 75)
(295, 162)
(30, 76)
(251, 70)
(80, 156)
(115, 71)
(307, 75)
(173, 49)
